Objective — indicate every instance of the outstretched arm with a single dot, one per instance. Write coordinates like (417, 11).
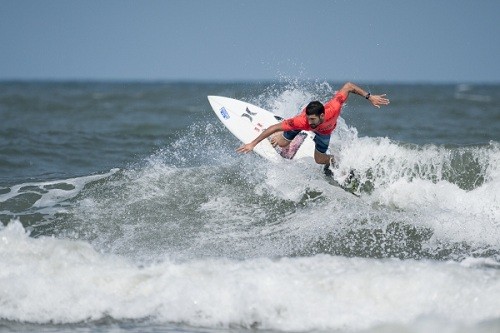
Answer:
(376, 100)
(269, 131)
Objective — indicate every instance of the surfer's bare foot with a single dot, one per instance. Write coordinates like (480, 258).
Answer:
(333, 163)
(329, 166)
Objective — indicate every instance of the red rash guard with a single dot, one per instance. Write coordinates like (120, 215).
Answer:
(332, 112)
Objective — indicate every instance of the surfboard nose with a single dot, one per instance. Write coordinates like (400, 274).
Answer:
(215, 101)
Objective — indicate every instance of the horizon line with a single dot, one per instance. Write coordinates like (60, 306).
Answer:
(239, 81)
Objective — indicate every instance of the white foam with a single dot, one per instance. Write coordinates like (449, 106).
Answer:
(50, 195)
(53, 280)
(454, 214)
(413, 179)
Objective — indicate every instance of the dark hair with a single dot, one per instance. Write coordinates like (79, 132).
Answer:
(315, 108)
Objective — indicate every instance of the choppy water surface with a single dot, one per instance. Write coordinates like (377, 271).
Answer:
(125, 207)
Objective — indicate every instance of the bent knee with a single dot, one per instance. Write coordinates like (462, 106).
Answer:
(280, 140)
(283, 143)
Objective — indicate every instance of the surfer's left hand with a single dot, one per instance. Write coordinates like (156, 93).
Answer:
(378, 100)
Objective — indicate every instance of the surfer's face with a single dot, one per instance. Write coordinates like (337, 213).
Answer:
(314, 120)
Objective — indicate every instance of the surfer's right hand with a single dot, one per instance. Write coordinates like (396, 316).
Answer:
(245, 148)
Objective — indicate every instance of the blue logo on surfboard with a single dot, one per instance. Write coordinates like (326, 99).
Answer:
(224, 113)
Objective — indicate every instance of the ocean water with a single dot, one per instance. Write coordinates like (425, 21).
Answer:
(125, 208)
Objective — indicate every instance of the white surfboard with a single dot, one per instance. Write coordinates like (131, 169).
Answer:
(246, 121)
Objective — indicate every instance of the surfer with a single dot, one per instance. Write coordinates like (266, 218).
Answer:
(318, 118)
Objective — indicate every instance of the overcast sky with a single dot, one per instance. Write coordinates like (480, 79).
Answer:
(382, 40)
